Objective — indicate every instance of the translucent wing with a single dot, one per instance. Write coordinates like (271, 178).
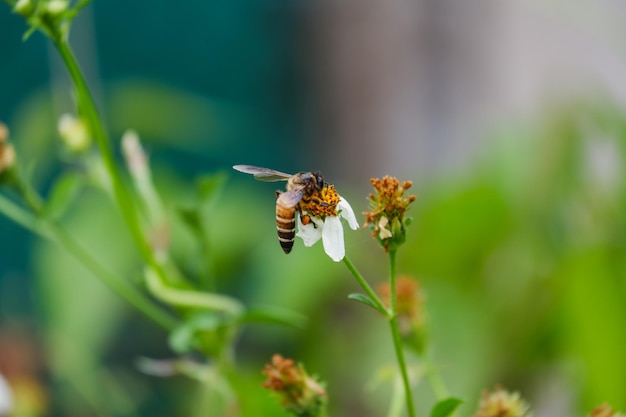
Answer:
(292, 197)
(263, 174)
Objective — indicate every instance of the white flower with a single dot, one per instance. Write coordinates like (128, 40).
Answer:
(330, 230)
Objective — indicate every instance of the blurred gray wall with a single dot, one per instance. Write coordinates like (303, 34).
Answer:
(407, 87)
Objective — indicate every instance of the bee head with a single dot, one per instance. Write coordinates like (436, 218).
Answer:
(319, 180)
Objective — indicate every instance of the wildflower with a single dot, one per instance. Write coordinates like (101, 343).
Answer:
(74, 133)
(501, 403)
(409, 310)
(388, 205)
(325, 209)
(301, 394)
(605, 411)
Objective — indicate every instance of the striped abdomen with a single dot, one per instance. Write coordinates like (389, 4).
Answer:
(285, 225)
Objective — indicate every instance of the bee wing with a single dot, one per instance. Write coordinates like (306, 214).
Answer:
(263, 174)
(292, 197)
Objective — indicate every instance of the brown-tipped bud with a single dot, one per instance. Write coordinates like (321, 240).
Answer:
(4, 133)
(301, 394)
(388, 205)
(501, 403)
(7, 152)
(605, 411)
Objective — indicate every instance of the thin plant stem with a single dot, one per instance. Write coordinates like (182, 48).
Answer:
(87, 109)
(395, 333)
(366, 287)
(393, 322)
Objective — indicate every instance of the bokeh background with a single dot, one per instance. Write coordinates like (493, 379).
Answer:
(508, 117)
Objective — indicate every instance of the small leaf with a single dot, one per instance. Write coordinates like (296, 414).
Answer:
(209, 186)
(63, 193)
(366, 300)
(181, 339)
(445, 408)
(191, 218)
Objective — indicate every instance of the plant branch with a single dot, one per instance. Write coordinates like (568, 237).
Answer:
(49, 230)
(366, 287)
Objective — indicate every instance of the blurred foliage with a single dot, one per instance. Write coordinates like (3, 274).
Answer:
(528, 250)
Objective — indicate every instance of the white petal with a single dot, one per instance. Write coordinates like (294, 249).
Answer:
(6, 398)
(332, 238)
(347, 213)
(309, 233)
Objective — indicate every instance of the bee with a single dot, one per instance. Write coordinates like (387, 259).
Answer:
(301, 188)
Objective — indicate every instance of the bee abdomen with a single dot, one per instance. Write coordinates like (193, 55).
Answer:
(286, 227)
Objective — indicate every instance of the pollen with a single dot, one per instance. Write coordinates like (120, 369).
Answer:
(322, 203)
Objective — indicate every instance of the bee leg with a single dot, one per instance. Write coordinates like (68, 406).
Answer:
(321, 203)
(306, 219)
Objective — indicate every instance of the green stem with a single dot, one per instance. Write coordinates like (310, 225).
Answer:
(47, 229)
(393, 322)
(193, 299)
(121, 194)
(395, 333)
(366, 287)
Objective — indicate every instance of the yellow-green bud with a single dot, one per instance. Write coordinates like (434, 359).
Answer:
(24, 8)
(56, 7)
(74, 133)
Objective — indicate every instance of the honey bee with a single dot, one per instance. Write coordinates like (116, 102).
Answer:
(301, 188)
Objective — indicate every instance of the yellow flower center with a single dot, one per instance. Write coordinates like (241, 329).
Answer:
(322, 203)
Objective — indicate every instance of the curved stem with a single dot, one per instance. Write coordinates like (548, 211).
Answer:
(122, 197)
(395, 333)
(366, 287)
(188, 298)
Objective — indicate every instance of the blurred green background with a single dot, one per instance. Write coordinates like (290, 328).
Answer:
(518, 235)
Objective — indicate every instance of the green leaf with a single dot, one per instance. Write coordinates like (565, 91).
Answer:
(191, 218)
(63, 193)
(274, 315)
(365, 300)
(184, 338)
(209, 186)
(446, 407)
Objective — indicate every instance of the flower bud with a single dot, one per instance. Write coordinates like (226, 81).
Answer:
(501, 403)
(388, 205)
(302, 395)
(74, 133)
(409, 310)
(24, 8)
(605, 411)
(7, 152)
(56, 7)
